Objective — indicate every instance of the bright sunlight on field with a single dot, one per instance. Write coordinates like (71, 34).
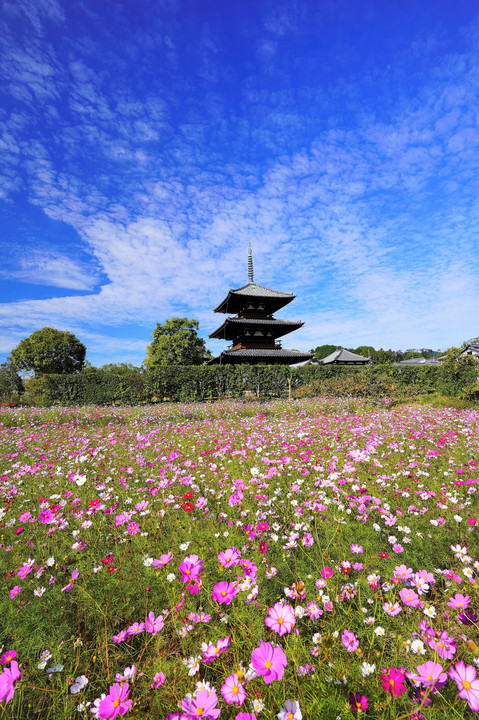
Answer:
(312, 559)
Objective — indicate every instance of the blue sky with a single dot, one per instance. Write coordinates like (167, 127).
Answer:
(144, 144)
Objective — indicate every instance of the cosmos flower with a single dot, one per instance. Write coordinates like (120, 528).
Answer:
(281, 618)
(269, 662)
(393, 682)
(465, 677)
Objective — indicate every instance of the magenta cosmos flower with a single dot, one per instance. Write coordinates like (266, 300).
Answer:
(350, 641)
(224, 592)
(358, 702)
(269, 662)
(7, 680)
(190, 568)
(8, 657)
(202, 706)
(233, 691)
(465, 677)
(281, 618)
(116, 702)
(393, 682)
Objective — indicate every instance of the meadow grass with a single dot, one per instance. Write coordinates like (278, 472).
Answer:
(152, 556)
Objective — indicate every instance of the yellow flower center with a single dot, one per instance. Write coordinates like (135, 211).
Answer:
(466, 685)
(268, 664)
(223, 593)
(235, 690)
(280, 621)
(199, 711)
(116, 703)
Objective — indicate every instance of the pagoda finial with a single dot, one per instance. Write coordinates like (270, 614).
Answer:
(250, 264)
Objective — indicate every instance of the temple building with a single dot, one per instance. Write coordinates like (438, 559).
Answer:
(254, 332)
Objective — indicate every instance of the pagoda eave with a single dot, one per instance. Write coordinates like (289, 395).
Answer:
(261, 357)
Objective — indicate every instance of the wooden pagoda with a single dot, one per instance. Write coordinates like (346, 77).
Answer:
(254, 332)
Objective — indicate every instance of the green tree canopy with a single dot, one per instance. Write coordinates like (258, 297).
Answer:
(323, 351)
(177, 343)
(11, 384)
(49, 351)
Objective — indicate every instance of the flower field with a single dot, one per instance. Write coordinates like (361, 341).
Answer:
(315, 559)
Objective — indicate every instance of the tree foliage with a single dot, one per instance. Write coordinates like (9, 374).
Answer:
(49, 351)
(11, 384)
(176, 343)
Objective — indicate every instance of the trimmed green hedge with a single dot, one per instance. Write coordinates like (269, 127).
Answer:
(211, 382)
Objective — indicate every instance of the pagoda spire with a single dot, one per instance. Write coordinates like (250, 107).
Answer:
(250, 264)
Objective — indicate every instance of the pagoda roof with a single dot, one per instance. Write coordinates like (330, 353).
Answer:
(284, 326)
(344, 357)
(253, 290)
(270, 357)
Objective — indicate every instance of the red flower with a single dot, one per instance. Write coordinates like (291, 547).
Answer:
(188, 495)
(107, 560)
(187, 507)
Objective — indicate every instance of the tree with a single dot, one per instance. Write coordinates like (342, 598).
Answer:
(49, 351)
(11, 384)
(323, 351)
(177, 343)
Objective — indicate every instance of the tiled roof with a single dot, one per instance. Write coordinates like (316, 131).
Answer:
(343, 356)
(263, 355)
(256, 322)
(419, 361)
(254, 290)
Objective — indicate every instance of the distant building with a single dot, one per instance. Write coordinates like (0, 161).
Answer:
(419, 361)
(254, 332)
(344, 357)
(472, 349)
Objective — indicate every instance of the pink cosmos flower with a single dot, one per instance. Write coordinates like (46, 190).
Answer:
(25, 570)
(153, 624)
(393, 682)
(116, 702)
(392, 609)
(14, 591)
(132, 528)
(431, 674)
(190, 568)
(70, 585)
(402, 572)
(164, 560)
(233, 691)
(327, 573)
(136, 628)
(229, 558)
(245, 716)
(465, 677)
(224, 592)
(210, 651)
(8, 657)
(444, 645)
(202, 706)
(459, 602)
(409, 597)
(7, 680)
(269, 662)
(281, 618)
(350, 641)
(158, 680)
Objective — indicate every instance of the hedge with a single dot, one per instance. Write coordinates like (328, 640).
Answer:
(212, 382)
